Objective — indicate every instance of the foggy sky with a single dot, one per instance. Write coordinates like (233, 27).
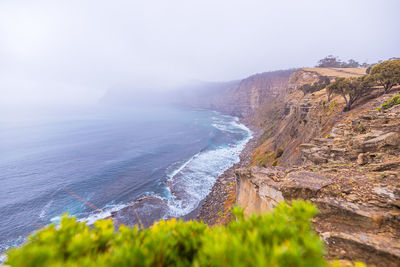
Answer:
(72, 51)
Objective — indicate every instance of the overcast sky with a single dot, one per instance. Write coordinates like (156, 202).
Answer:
(71, 51)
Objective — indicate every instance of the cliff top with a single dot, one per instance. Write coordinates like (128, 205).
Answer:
(338, 72)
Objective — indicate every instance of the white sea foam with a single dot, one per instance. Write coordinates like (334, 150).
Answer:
(45, 209)
(4, 247)
(197, 174)
(219, 127)
(200, 172)
(178, 170)
(55, 219)
(106, 212)
(3, 258)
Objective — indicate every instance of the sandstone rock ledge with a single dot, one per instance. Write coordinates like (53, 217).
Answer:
(367, 231)
(352, 175)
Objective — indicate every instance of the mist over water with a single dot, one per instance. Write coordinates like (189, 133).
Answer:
(110, 157)
(74, 51)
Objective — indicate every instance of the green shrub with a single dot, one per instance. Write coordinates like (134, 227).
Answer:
(390, 103)
(361, 128)
(333, 105)
(283, 237)
(386, 74)
(351, 89)
(323, 81)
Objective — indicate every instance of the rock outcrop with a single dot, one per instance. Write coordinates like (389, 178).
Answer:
(358, 217)
(372, 137)
(349, 168)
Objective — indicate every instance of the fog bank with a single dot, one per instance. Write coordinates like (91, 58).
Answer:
(62, 52)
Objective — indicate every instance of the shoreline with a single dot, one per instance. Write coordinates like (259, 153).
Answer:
(137, 211)
(212, 207)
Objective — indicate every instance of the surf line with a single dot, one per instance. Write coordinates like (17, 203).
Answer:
(86, 202)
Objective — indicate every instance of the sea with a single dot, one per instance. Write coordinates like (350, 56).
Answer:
(95, 162)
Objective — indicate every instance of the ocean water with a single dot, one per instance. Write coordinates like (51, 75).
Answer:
(163, 160)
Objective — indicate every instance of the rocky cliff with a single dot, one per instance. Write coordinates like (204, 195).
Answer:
(296, 118)
(243, 98)
(345, 163)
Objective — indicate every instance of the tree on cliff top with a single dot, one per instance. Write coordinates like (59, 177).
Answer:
(334, 62)
(351, 64)
(351, 89)
(386, 74)
(329, 62)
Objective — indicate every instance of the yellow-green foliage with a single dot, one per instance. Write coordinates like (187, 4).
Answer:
(264, 159)
(333, 105)
(390, 103)
(386, 74)
(283, 237)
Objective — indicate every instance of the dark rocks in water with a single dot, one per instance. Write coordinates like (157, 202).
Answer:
(143, 212)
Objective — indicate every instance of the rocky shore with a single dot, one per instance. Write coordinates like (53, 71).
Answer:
(215, 207)
(148, 209)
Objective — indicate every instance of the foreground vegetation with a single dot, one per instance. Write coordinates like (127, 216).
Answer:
(283, 237)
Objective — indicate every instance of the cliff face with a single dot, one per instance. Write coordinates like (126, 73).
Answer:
(242, 98)
(251, 94)
(294, 118)
(345, 163)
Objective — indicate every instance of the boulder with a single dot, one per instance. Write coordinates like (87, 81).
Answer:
(322, 141)
(362, 159)
(336, 131)
(316, 158)
(389, 139)
(303, 184)
(384, 166)
(370, 248)
(307, 146)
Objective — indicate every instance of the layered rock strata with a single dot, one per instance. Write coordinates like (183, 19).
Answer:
(352, 176)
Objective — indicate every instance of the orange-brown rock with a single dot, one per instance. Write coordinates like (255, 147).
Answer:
(348, 164)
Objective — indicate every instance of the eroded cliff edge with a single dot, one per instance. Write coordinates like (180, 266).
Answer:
(347, 163)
